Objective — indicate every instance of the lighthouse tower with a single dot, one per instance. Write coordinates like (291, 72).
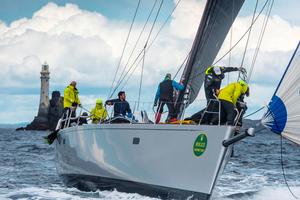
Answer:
(40, 122)
(44, 95)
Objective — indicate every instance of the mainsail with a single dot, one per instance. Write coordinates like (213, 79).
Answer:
(216, 21)
(283, 114)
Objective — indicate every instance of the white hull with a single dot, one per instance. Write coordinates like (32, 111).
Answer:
(133, 157)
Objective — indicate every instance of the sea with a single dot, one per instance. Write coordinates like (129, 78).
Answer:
(27, 170)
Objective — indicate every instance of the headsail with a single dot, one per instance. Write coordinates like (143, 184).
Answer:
(283, 114)
(216, 21)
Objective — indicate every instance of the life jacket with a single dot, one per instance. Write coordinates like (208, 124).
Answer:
(232, 92)
(70, 96)
(98, 113)
(166, 90)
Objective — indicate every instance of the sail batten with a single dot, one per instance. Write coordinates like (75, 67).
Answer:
(217, 18)
(283, 114)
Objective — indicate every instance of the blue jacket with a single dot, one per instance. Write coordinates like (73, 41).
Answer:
(175, 85)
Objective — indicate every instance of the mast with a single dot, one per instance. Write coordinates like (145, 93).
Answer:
(217, 18)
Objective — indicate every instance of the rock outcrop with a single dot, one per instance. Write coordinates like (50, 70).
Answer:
(48, 120)
(55, 110)
(49, 111)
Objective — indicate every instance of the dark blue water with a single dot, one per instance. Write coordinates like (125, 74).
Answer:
(27, 170)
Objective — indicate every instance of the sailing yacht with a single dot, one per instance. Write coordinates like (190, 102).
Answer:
(161, 160)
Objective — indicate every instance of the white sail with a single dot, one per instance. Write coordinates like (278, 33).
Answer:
(283, 115)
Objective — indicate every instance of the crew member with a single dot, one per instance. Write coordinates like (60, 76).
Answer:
(98, 113)
(213, 79)
(121, 106)
(164, 94)
(71, 98)
(228, 97)
(71, 101)
(212, 83)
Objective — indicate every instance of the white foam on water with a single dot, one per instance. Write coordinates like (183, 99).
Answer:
(58, 192)
(110, 195)
(277, 193)
(231, 184)
(39, 193)
(264, 193)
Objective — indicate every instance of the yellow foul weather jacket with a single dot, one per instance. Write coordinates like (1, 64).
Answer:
(70, 96)
(232, 92)
(98, 113)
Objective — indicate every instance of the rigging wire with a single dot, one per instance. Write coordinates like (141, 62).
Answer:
(165, 22)
(230, 42)
(151, 43)
(265, 22)
(124, 47)
(247, 42)
(149, 35)
(262, 9)
(254, 112)
(282, 167)
(141, 80)
(134, 64)
(249, 34)
(180, 67)
(146, 44)
(137, 41)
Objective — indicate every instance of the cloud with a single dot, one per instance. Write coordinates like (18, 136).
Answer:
(82, 45)
(187, 15)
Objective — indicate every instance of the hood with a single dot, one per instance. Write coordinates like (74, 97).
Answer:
(99, 106)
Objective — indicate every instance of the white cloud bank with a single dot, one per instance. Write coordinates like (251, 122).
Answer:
(86, 46)
(79, 45)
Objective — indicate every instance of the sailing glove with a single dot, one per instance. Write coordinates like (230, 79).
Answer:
(242, 69)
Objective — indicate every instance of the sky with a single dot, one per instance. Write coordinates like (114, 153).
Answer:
(83, 40)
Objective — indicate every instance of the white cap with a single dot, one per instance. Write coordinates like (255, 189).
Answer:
(217, 70)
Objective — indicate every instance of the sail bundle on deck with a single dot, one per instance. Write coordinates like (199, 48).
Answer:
(283, 114)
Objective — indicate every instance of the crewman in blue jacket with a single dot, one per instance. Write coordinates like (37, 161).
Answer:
(164, 94)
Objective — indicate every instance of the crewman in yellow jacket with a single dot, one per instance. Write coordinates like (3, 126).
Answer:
(228, 97)
(98, 113)
(71, 101)
(71, 96)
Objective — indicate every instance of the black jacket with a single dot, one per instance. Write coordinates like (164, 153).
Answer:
(166, 90)
(212, 82)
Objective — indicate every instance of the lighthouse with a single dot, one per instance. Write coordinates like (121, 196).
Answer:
(44, 94)
(49, 111)
(40, 122)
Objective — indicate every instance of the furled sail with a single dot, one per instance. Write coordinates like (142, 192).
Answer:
(283, 114)
(216, 21)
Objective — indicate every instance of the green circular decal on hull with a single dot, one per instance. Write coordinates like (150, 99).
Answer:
(200, 145)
